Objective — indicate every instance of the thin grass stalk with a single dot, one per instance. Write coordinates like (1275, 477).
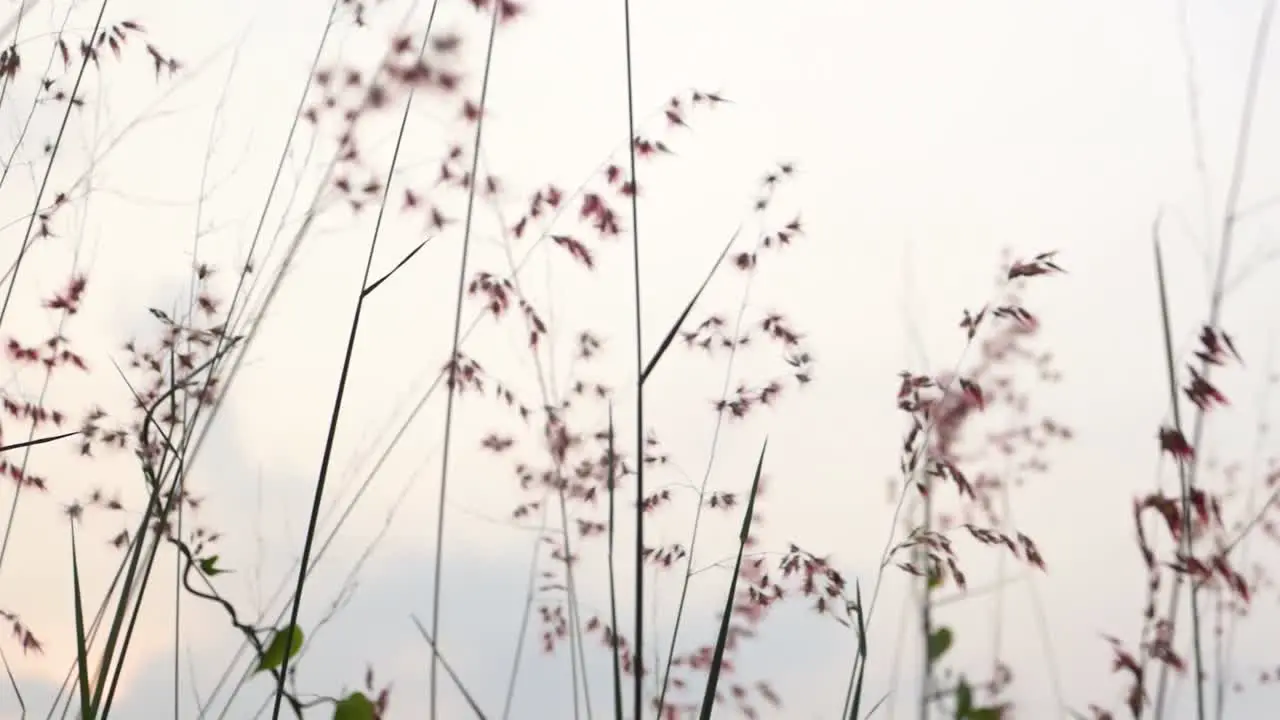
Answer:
(854, 703)
(397, 437)
(249, 632)
(453, 359)
(546, 385)
(188, 413)
(530, 591)
(1183, 478)
(26, 238)
(576, 654)
(910, 480)
(638, 639)
(133, 580)
(1260, 442)
(1217, 296)
(170, 503)
(48, 170)
(1002, 584)
(613, 588)
(137, 604)
(177, 623)
(13, 684)
(1185, 481)
(11, 40)
(193, 444)
(240, 291)
(177, 560)
(318, 496)
(912, 476)
(462, 688)
(711, 456)
(926, 607)
(159, 512)
(334, 417)
(155, 480)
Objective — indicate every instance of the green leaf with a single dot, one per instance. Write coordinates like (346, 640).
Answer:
(964, 699)
(355, 706)
(209, 566)
(985, 713)
(283, 642)
(939, 643)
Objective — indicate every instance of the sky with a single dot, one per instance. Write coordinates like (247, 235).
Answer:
(927, 137)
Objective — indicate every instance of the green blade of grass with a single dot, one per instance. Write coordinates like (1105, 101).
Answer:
(87, 703)
(717, 658)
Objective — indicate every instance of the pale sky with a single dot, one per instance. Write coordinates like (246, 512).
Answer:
(927, 137)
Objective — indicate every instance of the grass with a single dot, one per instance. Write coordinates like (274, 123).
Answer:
(573, 430)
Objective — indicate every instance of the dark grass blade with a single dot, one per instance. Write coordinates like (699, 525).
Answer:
(91, 635)
(613, 588)
(860, 665)
(688, 308)
(325, 457)
(374, 285)
(133, 581)
(475, 707)
(713, 675)
(37, 441)
(637, 640)
(87, 709)
(136, 580)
